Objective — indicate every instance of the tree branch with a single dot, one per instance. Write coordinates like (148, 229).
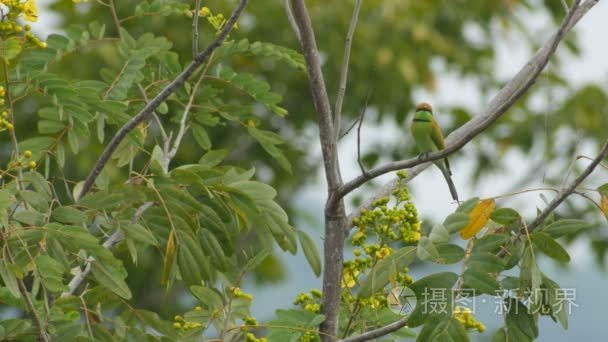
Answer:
(344, 71)
(382, 331)
(562, 195)
(156, 101)
(195, 17)
(503, 100)
(115, 238)
(292, 20)
(335, 214)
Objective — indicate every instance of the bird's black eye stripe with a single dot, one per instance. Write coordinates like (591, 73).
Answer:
(422, 120)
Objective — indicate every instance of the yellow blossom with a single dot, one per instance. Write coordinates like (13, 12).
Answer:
(30, 12)
(204, 11)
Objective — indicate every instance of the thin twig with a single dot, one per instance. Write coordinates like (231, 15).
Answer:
(503, 100)
(573, 162)
(14, 141)
(28, 299)
(156, 101)
(563, 194)
(382, 331)
(183, 123)
(115, 238)
(291, 19)
(115, 17)
(154, 115)
(195, 17)
(361, 118)
(585, 157)
(370, 90)
(565, 5)
(344, 70)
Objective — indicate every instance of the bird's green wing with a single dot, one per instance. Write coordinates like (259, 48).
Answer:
(437, 136)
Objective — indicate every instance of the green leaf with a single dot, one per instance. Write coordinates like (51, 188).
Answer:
(39, 183)
(434, 298)
(439, 234)
(51, 272)
(456, 221)
(481, 282)
(311, 252)
(269, 140)
(565, 227)
(489, 243)
(213, 249)
(530, 277)
(380, 274)
(449, 253)
(557, 304)
(30, 217)
(210, 298)
(201, 136)
(550, 247)
(111, 277)
(68, 215)
(289, 324)
(32, 198)
(10, 48)
(505, 216)
(193, 265)
(255, 190)
(9, 279)
(213, 158)
(521, 325)
(444, 329)
(138, 232)
(468, 205)
(485, 262)
(37, 145)
(426, 250)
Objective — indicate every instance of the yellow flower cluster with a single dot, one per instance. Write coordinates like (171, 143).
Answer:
(4, 123)
(396, 223)
(181, 323)
(250, 337)
(309, 301)
(238, 293)
(308, 336)
(384, 224)
(216, 21)
(465, 316)
(248, 322)
(12, 12)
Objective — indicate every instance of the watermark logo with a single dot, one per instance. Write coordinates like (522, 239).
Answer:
(401, 300)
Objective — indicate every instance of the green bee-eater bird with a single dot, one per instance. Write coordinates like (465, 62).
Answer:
(428, 138)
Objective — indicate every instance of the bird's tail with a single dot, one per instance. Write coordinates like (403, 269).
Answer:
(447, 175)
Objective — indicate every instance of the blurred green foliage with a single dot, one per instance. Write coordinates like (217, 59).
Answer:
(396, 41)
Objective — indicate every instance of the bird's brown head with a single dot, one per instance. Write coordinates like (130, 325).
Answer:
(424, 106)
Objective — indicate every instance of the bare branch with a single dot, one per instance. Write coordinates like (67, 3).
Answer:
(195, 17)
(334, 210)
(565, 5)
(115, 17)
(503, 100)
(156, 101)
(163, 134)
(344, 71)
(361, 118)
(115, 238)
(291, 19)
(563, 194)
(385, 330)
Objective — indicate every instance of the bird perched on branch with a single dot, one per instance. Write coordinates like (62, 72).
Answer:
(428, 137)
